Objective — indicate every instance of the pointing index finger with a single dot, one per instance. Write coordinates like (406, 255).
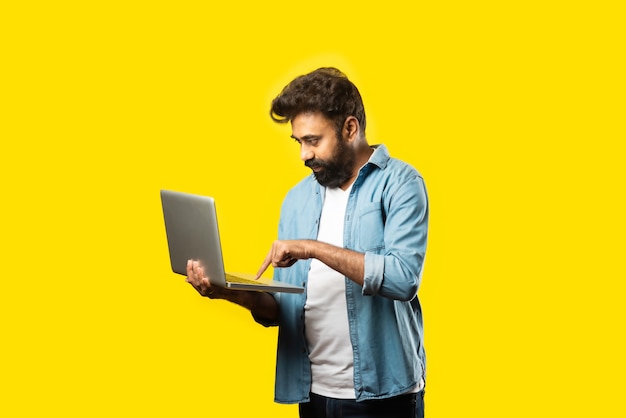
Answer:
(265, 265)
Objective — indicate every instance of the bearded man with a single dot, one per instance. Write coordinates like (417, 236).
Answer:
(354, 234)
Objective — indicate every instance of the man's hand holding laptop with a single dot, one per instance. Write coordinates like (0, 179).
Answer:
(261, 304)
(200, 282)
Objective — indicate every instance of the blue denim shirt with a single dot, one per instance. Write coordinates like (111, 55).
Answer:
(387, 220)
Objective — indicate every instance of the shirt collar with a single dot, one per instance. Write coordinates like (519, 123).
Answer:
(380, 156)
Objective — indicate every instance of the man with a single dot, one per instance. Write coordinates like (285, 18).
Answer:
(354, 234)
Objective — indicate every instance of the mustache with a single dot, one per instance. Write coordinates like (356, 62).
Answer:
(313, 163)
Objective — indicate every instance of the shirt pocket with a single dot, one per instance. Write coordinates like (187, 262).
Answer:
(371, 227)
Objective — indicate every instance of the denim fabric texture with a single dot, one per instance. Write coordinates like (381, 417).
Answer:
(387, 220)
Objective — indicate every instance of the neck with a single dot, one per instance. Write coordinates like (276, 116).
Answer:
(363, 154)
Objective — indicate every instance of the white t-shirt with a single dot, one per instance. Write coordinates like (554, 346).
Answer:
(326, 312)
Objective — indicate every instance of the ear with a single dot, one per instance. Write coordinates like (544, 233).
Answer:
(351, 129)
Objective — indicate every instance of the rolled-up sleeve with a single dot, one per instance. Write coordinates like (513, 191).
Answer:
(395, 270)
(374, 269)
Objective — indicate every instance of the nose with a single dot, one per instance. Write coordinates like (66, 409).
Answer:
(305, 152)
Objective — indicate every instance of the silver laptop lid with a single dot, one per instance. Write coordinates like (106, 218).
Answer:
(185, 215)
(193, 234)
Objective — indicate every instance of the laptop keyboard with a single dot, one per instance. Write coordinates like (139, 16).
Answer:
(237, 279)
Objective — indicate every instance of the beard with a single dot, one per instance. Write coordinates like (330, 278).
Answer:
(337, 171)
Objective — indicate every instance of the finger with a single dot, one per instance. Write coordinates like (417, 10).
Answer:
(265, 265)
(191, 274)
(197, 270)
(200, 281)
(202, 278)
(286, 262)
(196, 273)
(189, 270)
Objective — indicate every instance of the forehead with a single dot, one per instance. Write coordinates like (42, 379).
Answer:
(310, 123)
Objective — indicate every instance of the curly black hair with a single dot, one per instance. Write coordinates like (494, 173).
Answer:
(326, 90)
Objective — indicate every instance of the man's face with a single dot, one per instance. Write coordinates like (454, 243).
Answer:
(330, 158)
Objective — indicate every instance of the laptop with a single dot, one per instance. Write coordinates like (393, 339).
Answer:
(193, 234)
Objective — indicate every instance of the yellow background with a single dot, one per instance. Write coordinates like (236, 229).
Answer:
(512, 111)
